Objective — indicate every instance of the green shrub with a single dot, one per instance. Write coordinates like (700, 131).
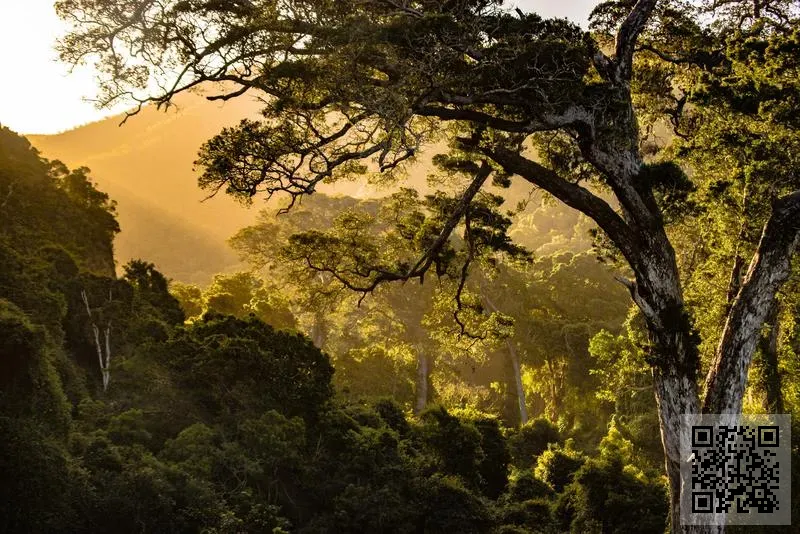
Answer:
(531, 440)
(557, 465)
(604, 494)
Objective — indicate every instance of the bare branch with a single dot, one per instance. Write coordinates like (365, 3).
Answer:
(570, 194)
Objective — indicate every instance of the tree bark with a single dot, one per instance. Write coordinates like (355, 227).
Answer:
(106, 367)
(735, 282)
(516, 368)
(676, 394)
(769, 269)
(674, 360)
(673, 353)
(105, 363)
(318, 331)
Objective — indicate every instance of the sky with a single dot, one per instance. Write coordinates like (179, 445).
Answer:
(39, 96)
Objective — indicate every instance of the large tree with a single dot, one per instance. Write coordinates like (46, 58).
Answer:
(358, 86)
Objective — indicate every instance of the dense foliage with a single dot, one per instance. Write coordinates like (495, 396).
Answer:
(520, 386)
(225, 424)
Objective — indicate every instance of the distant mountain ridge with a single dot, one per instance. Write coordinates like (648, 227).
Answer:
(146, 165)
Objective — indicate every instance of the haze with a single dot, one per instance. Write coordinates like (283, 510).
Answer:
(42, 97)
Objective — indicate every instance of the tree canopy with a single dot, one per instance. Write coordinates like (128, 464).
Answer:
(361, 87)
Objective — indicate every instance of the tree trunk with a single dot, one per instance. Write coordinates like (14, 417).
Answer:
(318, 331)
(556, 386)
(673, 356)
(735, 282)
(521, 401)
(768, 378)
(675, 395)
(515, 364)
(423, 374)
(105, 364)
(769, 269)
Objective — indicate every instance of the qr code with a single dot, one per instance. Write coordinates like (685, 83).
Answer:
(735, 469)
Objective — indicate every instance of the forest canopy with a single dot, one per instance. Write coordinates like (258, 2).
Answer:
(524, 391)
(224, 423)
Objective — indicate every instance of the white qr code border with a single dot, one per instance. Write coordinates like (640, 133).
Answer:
(736, 469)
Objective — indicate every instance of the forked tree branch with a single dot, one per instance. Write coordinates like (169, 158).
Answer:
(769, 269)
(425, 261)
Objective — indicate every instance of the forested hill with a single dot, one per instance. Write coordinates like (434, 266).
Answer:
(147, 167)
(44, 204)
(117, 416)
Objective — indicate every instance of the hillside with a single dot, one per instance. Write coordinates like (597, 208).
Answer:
(146, 165)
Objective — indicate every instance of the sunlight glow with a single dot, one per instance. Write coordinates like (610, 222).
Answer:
(39, 95)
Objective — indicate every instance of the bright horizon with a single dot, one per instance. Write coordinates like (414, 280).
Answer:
(43, 98)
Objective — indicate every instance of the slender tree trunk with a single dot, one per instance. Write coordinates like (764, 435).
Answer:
(515, 364)
(510, 405)
(105, 363)
(318, 334)
(423, 374)
(538, 405)
(521, 400)
(735, 282)
(99, 348)
(556, 390)
(107, 366)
